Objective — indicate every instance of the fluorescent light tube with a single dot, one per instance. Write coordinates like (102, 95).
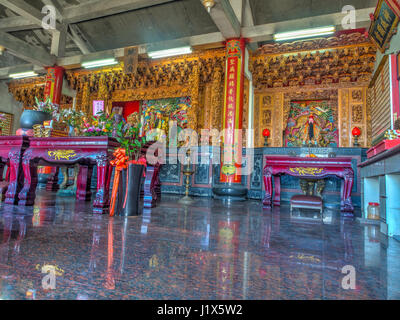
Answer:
(307, 33)
(169, 52)
(99, 63)
(21, 75)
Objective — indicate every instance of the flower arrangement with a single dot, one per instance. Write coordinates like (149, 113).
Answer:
(72, 118)
(48, 107)
(100, 125)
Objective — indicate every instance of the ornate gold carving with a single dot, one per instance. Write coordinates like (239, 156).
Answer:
(104, 92)
(257, 126)
(339, 63)
(62, 154)
(344, 131)
(307, 171)
(194, 82)
(267, 101)
(85, 107)
(357, 113)
(353, 39)
(216, 99)
(357, 95)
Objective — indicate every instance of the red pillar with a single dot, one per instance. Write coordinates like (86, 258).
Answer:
(230, 185)
(233, 111)
(54, 82)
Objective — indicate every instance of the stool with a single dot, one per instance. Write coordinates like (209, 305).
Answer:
(306, 202)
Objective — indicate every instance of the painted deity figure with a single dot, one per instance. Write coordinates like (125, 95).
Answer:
(133, 119)
(311, 131)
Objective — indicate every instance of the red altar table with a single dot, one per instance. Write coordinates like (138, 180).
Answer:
(86, 151)
(308, 168)
(11, 151)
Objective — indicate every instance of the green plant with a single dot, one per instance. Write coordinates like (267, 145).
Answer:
(48, 107)
(128, 137)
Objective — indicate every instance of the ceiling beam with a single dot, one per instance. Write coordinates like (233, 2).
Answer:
(59, 41)
(16, 23)
(102, 8)
(237, 6)
(265, 32)
(25, 51)
(80, 40)
(248, 17)
(248, 21)
(225, 19)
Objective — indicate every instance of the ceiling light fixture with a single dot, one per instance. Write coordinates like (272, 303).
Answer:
(208, 4)
(99, 63)
(21, 75)
(302, 34)
(169, 52)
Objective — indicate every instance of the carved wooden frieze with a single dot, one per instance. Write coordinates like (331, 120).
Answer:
(347, 59)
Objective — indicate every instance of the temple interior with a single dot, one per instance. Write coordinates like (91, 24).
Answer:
(199, 149)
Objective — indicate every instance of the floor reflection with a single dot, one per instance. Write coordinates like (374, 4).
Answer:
(209, 250)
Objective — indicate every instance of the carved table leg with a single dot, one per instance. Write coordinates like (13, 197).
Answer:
(347, 204)
(150, 195)
(2, 165)
(268, 189)
(28, 192)
(277, 187)
(3, 183)
(104, 169)
(83, 184)
(16, 177)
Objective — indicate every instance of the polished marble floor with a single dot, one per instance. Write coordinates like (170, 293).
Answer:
(208, 250)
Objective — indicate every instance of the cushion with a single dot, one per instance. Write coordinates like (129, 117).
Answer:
(306, 201)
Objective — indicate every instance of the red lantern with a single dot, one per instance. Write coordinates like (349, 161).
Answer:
(356, 132)
(266, 133)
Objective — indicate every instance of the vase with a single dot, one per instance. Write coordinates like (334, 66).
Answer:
(134, 176)
(31, 117)
(71, 132)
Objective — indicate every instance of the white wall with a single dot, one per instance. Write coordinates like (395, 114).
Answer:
(9, 105)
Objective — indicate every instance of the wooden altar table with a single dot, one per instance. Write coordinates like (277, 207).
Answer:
(308, 168)
(86, 151)
(11, 151)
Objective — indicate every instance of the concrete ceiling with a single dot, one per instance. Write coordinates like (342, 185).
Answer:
(91, 26)
(172, 20)
(269, 11)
